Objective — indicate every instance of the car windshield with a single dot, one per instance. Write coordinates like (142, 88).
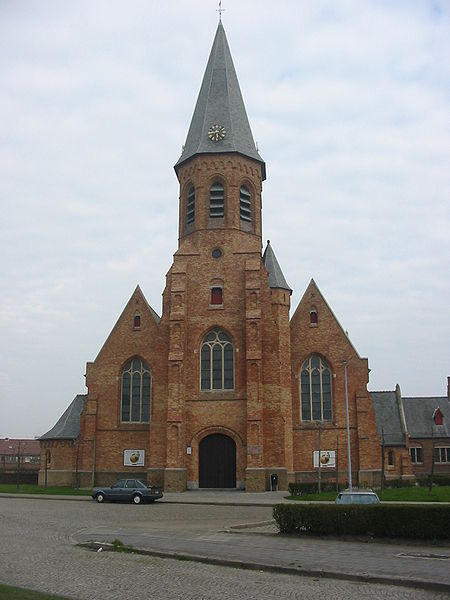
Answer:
(139, 484)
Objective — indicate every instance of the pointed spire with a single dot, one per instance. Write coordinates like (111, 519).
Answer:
(276, 277)
(220, 105)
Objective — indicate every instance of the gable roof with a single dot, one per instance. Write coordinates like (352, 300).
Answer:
(136, 292)
(419, 416)
(388, 417)
(68, 425)
(314, 288)
(276, 277)
(220, 103)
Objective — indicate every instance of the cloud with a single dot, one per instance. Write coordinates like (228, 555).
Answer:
(349, 103)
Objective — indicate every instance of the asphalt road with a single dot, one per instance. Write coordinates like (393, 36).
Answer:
(38, 550)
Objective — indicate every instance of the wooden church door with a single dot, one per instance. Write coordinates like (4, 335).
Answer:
(217, 462)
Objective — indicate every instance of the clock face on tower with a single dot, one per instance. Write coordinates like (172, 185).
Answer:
(216, 132)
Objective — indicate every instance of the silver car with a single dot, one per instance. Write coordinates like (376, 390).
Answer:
(357, 497)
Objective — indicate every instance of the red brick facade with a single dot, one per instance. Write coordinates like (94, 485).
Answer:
(261, 413)
(224, 359)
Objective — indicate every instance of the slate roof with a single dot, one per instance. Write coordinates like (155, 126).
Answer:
(388, 417)
(276, 277)
(419, 416)
(68, 425)
(220, 103)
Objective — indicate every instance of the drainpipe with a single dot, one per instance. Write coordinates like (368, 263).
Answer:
(348, 429)
(93, 462)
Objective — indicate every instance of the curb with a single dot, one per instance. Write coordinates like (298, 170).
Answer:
(164, 500)
(253, 566)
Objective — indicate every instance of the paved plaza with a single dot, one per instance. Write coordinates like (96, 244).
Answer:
(40, 537)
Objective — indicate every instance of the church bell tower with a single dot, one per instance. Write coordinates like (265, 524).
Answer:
(213, 304)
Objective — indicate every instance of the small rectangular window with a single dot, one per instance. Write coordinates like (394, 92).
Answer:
(216, 296)
(442, 454)
(390, 458)
(416, 455)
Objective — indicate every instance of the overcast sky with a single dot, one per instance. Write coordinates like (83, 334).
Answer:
(349, 101)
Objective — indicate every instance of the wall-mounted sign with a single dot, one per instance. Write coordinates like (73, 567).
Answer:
(188, 450)
(134, 458)
(327, 458)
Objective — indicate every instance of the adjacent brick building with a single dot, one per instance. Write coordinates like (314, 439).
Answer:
(415, 433)
(19, 460)
(223, 390)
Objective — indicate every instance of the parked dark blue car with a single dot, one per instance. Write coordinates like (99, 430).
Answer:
(127, 490)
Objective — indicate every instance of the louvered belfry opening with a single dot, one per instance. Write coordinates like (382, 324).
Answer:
(244, 204)
(216, 201)
(190, 206)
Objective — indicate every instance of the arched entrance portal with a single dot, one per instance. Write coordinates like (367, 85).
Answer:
(217, 462)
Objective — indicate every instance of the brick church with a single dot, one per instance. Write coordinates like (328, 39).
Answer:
(223, 390)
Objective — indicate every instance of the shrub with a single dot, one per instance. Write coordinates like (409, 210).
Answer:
(398, 483)
(298, 489)
(437, 480)
(392, 521)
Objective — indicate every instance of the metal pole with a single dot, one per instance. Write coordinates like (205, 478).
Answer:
(348, 429)
(93, 462)
(383, 460)
(18, 465)
(320, 464)
(337, 463)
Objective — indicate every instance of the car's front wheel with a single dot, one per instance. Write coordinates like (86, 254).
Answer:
(137, 499)
(100, 498)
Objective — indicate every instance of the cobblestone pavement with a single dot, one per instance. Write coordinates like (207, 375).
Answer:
(37, 551)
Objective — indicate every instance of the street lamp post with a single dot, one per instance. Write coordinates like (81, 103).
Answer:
(18, 465)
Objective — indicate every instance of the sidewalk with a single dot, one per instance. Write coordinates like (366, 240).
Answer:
(212, 497)
(226, 497)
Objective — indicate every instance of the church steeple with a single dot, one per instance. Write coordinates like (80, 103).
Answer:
(220, 123)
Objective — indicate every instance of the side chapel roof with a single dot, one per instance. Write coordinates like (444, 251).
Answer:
(220, 103)
(68, 425)
(419, 414)
(388, 417)
(396, 416)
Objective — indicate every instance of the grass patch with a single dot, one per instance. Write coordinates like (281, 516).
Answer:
(407, 494)
(28, 488)
(119, 546)
(416, 494)
(8, 592)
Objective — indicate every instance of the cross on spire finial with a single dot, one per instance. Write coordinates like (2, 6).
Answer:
(220, 10)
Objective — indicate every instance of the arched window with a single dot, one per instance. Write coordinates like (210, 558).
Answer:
(190, 206)
(315, 385)
(216, 357)
(216, 201)
(137, 321)
(313, 318)
(136, 388)
(244, 204)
